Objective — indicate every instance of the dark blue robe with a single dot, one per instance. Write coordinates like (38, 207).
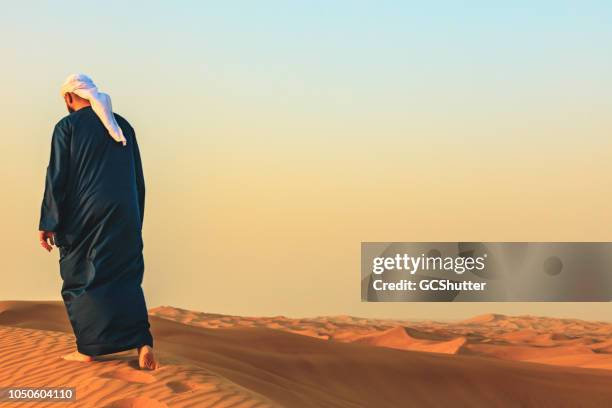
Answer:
(94, 202)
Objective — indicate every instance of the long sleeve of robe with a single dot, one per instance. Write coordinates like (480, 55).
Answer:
(94, 202)
(57, 178)
(140, 182)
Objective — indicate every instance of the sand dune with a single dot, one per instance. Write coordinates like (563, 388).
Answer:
(522, 338)
(398, 338)
(485, 318)
(30, 357)
(602, 346)
(216, 360)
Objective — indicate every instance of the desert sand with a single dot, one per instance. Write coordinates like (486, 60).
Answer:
(214, 360)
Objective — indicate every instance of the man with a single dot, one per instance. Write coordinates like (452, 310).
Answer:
(92, 211)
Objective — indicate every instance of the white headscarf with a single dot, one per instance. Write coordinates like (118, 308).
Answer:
(83, 86)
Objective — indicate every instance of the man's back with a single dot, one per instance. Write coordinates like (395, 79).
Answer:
(102, 165)
(100, 177)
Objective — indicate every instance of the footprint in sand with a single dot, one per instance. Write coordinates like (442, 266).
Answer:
(129, 375)
(138, 402)
(184, 386)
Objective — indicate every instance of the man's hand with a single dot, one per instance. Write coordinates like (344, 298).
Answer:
(47, 239)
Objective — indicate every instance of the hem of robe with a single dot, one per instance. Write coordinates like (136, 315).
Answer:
(109, 348)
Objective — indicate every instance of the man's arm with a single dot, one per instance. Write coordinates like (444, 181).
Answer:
(55, 185)
(140, 182)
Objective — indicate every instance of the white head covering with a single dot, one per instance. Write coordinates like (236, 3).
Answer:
(83, 86)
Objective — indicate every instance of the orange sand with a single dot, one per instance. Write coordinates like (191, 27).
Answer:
(222, 361)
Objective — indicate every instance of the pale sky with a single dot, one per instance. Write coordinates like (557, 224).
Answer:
(277, 136)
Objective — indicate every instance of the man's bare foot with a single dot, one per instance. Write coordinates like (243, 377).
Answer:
(76, 356)
(146, 359)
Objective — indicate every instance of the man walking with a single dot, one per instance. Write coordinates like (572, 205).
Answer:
(93, 210)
